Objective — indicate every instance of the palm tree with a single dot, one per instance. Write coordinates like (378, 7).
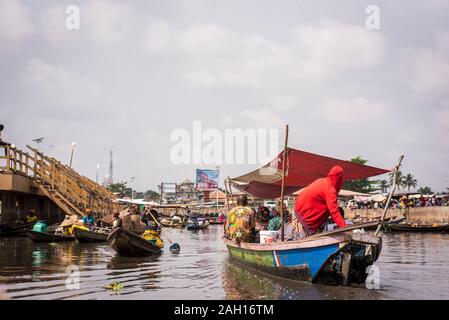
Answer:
(117, 187)
(409, 181)
(425, 190)
(383, 185)
(399, 179)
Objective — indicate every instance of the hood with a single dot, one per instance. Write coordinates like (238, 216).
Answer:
(335, 176)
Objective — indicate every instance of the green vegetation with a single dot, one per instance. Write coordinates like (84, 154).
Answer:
(115, 287)
(152, 195)
(383, 185)
(363, 185)
(407, 181)
(425, 190)
(117, 187)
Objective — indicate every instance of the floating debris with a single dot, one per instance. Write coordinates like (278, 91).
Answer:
(175, 248)
(115, 286)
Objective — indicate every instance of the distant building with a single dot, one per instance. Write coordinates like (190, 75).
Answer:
(186, 192)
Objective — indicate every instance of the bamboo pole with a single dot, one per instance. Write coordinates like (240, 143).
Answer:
(393, 189)
(230, 190)
(227, 194)
(284, 158)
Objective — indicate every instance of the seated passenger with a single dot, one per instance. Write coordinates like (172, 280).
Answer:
(31, 217)
(262, 219)
(240, 223)
(88, 220)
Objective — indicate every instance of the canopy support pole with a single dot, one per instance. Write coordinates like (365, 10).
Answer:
(283, 182)
(228, 193)
(393, 189)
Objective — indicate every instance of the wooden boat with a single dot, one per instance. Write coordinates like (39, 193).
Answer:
(15, 230)
(47, 237)
(90, 236)
(197, 224)
(215, 221)
(387, 222)
(337, 259)
(413, 227)
(129, 244)
(172, 224)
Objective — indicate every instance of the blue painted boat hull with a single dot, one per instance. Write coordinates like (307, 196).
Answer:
(333, 261)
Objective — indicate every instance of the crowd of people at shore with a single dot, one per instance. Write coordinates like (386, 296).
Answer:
(401, 203)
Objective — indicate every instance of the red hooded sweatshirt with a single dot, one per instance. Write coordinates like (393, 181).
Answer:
(319, 200)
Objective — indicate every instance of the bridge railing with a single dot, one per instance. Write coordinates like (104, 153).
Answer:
(60, 179)
(16, 161)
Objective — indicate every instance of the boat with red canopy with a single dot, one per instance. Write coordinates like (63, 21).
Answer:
(338, 257)
(302, 168)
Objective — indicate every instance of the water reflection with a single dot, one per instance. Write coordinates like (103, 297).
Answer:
(411, 266)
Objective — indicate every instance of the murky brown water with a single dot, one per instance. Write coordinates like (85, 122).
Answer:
(412, 266)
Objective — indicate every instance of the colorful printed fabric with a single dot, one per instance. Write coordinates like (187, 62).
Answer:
(239, 224)
(274, 224)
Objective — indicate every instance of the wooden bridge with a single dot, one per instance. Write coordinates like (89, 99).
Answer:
(36, 173)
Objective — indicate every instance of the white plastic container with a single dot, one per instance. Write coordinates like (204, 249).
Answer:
(268, 236)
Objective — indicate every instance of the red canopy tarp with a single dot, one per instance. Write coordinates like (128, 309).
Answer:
(302, 168)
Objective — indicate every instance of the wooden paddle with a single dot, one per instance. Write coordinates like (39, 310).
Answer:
(345, 229)
(393, 189)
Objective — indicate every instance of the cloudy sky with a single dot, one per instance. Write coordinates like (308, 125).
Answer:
(137, 70)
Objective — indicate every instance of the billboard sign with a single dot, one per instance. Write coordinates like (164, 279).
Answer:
(206, 180)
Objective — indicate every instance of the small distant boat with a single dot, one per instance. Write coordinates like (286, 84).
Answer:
(15, 230)
(129, 244)
(387, 222)
(38, 236)
(175, 222)
(414, 227)
(215, 221)
(197, 223)
(84, 235)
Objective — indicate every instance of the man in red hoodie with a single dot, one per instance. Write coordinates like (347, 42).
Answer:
(318, 201)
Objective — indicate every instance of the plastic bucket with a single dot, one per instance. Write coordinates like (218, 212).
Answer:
(40, 227)
(268, 236)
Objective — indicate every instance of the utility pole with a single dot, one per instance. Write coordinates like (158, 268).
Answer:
(111, 168)
(71, 154)
(38, 142)
(98, 169)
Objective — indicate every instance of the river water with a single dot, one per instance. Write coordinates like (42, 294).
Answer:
(411, 266)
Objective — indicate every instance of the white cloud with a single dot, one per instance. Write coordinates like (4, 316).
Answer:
(218, 57)
(15, 23)
(62, 90)
(427, 70)
(107, 22)
(157, 35)
(352, 111)
(340, 46)
(283, 103)
(206, 39)
(262, 118)
(442, 118)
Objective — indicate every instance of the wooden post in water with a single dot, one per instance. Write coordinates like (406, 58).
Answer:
(284, 158)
